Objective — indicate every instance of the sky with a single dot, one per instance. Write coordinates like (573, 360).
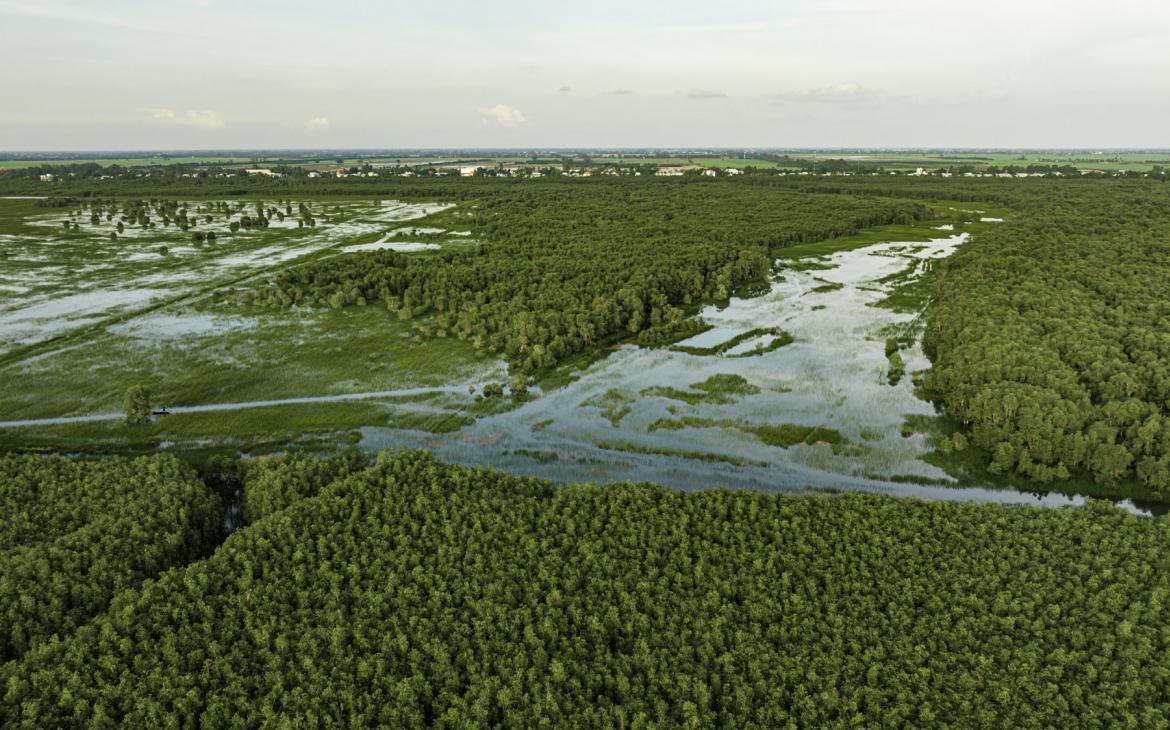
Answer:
(238, 74)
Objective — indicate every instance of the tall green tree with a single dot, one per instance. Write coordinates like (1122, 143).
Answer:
(136, 404)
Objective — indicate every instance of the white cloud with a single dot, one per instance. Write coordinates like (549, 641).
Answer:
(706, 94)
(503, 115)
(202, 118)
(836, 93)
(317, 123)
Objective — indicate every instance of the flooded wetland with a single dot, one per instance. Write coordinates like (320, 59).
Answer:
(790, 389)
(642, 414)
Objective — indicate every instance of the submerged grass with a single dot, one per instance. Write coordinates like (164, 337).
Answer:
(698, 455)
(826, 287)
(779, 340)
(432, 422)
(544, 457)
(613, 405)
(781, 435)
(719, 388)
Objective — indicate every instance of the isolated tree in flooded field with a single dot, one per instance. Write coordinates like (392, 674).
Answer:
(897, 368)
(136, 404)
(493, 390)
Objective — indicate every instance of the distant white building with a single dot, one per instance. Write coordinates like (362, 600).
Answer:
(710, 172)
(468, 171)
(733, 171)
(48, 177)
(314, 173)
(261, 171)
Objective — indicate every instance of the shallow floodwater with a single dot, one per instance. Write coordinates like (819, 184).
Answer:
(59, 282)
(399, 246)
(833, 375)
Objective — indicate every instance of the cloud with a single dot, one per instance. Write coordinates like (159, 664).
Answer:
(564, 89)
(619, 92)
(706, 94)
(503, 115)
(201, 118)
(317, 123)
(836, 93)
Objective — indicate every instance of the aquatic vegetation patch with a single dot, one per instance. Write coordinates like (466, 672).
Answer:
(719, 388)
(429, 421)
(727, 345)
(613, 405)
(775, 343)
(826, 286)
(781, 435)
(544, 457)
(680, 453)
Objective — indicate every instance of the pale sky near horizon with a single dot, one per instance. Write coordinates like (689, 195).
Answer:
(204, 74)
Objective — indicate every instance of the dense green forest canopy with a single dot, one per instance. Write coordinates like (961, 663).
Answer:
(412, 594)
(1050, 336)
(274, 484)
(74, 533)
(565, 266)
